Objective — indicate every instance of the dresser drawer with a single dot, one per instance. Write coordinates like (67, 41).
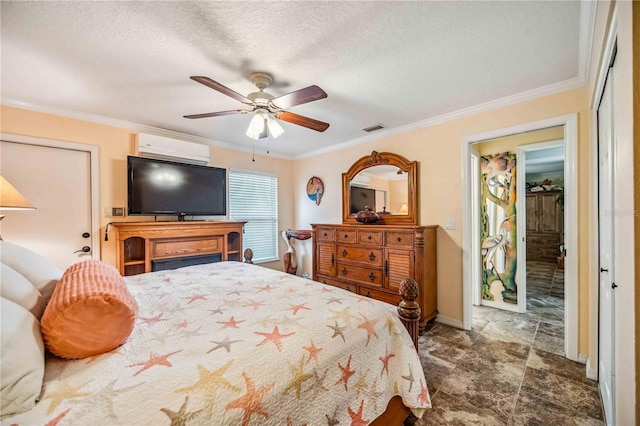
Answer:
(359, 273)
(369, 256)
(326, 234)
(185, 247)
(346, 235)
(370, 237)
(404, 239)
(345, 286)
(385, 296)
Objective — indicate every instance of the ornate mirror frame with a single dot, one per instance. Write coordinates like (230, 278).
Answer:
(384, 159)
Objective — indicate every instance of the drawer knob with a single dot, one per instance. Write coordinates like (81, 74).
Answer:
(325, 234)
(372, 276)
(344, 253)
(398, 239)
(346, 235)
(372, 256)
(344, 271)
(347, 288)
(369, 237)
(368, 294)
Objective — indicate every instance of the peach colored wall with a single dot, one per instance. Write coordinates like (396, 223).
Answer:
(510, 143)
(399, 194)
(114, 146)
(437, 148)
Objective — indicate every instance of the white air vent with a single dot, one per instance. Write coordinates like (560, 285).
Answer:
(172, 149)
(373, 128)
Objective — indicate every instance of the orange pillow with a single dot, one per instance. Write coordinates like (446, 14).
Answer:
(90, 312)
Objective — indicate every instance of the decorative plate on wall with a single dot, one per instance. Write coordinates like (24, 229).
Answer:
(315, 189)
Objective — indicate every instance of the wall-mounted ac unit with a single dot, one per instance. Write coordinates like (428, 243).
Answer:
(360, 180)
(172, 149)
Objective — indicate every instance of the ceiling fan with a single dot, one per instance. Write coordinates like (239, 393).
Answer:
(265, 106)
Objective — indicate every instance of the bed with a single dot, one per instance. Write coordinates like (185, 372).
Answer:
(231, 343)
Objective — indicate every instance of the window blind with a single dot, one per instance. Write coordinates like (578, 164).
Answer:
(253, 197)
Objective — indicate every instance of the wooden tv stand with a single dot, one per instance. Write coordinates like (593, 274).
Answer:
(147, 246)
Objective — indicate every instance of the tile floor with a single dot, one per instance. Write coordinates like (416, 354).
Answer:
(510, 369)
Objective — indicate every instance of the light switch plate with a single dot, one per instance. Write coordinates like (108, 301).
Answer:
(449, 223)
(114, 211)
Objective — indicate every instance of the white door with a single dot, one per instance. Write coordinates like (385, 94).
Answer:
(57, 182)
(606, 226)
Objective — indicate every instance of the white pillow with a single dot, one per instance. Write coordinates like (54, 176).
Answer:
(43, 274)
(15, 287)
(22, 359)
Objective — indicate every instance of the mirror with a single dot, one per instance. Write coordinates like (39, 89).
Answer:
(383, 188)
(385, 182)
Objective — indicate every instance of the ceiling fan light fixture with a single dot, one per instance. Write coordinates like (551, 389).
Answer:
(257, 127)
(265, 106)
(262, 125)
(275, 129)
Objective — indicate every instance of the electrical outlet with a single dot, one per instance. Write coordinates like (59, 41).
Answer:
(449, 223)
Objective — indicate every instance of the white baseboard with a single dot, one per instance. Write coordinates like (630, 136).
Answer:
(592, 370)
(501, 305)
(450, 321)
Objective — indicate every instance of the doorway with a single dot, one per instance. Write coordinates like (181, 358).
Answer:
(472, 253)
(61, 180)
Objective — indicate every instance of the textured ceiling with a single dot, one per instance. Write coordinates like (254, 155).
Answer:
(394, 63)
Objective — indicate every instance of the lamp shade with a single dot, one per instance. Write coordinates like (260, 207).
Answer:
(404, 209)
(275, 129)
(263, 126)
(10, 198)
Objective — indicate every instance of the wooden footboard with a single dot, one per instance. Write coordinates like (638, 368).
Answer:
(408, 309)
(395, 414)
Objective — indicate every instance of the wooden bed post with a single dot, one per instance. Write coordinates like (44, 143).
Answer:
(408, 309)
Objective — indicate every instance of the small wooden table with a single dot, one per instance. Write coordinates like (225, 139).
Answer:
(290, 261)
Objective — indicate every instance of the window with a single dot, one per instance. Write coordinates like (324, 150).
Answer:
(253, 197)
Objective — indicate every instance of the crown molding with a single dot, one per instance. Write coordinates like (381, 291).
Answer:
(585, 41)
(539, 92)
(135, 127)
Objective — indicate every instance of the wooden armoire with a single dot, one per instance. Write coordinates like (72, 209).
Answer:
(545, 219)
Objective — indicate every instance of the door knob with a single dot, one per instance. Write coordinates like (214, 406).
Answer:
(86, 235)
(85, 249)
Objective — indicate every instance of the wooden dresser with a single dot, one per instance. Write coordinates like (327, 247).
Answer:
(150, 246)
(372, 261)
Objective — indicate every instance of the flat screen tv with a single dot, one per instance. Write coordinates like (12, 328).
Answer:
(362, 197)
(159, 187)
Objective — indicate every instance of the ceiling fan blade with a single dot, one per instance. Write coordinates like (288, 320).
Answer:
(301, 120)
(216, 114)
(302, 96)
(222, 89)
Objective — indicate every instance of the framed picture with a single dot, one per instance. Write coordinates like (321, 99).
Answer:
(315, 189)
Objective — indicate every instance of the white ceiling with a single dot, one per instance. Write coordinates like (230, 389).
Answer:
(550, 160)
(395, 63)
